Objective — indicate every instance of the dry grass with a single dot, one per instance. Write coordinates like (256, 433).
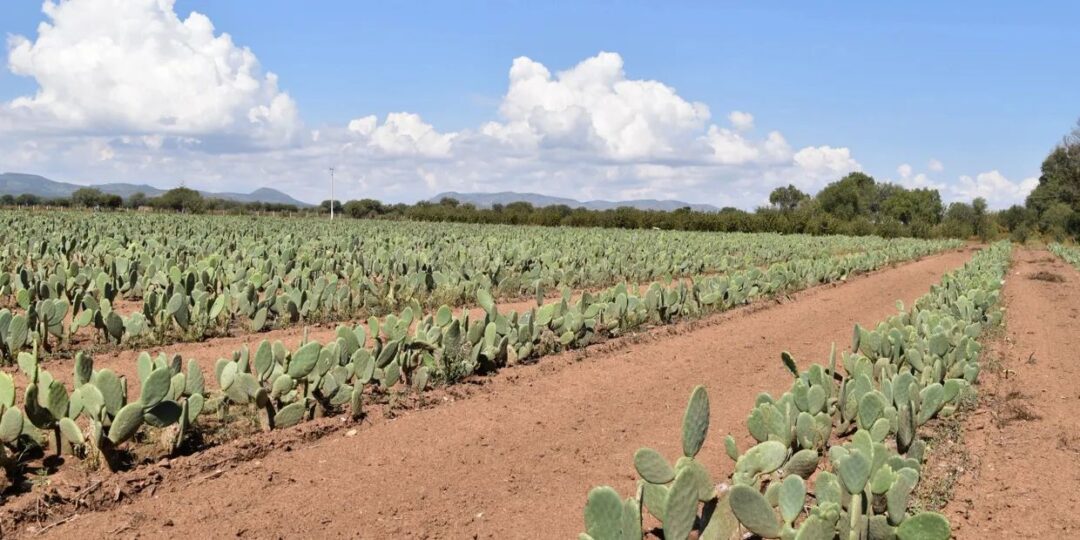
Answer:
(947, 460)
(1012, 409)
(1050, 277)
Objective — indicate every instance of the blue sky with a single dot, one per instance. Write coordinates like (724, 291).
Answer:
(982, 88)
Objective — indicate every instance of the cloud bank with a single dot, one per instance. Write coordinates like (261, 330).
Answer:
(127, 90)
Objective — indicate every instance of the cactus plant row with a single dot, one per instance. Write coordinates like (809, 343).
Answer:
(838, 455)
(95, 417)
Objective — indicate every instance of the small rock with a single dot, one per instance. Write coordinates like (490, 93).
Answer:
(350, 433)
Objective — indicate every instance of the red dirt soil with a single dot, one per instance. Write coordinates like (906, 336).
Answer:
(517, 457)
(1024, 475)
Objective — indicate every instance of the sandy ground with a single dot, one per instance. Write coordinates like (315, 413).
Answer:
(1023, 479)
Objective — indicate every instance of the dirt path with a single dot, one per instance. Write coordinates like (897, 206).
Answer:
(1024, 439)
(517, 458)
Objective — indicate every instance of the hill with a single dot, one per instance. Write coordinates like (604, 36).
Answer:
(486, 200)
(18, 184)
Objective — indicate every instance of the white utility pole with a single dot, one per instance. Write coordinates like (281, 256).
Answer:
(331, 194)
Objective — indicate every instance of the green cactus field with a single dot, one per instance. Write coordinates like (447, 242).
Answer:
(169, 376)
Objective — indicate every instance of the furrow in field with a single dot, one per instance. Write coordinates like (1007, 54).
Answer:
(516, 459)
(1022, 442)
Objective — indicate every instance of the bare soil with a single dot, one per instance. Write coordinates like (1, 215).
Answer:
(510, 456)
(1024, 439)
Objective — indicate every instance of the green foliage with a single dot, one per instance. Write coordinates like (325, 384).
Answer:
(607, 517)
(1070, 254)
(88, 197)
(1060, 178)
(695, 422)
(787, 198)
(855, 205)
(916, 206)
(181, 199)
(850, 197)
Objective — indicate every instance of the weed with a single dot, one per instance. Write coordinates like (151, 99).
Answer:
(1068, 442)
(1043, 275)
(948, 459)
(1012, 409)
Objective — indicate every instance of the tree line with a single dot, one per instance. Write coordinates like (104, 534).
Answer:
(856, 204)
(180, 199)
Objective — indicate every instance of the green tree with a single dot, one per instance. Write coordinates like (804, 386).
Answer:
(364, 208)
(181, 199)
(88, 197)
(1056, 221)
(959, 221)
(916, 206)
(1060, 178)
(787, 197)
(137, 200)
(27, 199)
(849, 197)
(324, 206)
(981, 222)
(1016, 216)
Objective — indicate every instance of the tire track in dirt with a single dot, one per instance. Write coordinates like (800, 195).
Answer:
(1023, 439)
(516, 459)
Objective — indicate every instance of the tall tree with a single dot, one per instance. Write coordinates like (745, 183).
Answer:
(181, 199)
(87, 197)
(787, 197)
(849, 197)
(1060, 178)
(922, 206)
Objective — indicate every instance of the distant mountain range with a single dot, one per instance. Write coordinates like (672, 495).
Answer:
(485, 200)
(18, 184)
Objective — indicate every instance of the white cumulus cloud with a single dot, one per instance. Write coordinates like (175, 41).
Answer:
(999, 191)
(912, 180)
(134, 66)
(826, 159)
(402, 134)
(596, 105)
(741, 121)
